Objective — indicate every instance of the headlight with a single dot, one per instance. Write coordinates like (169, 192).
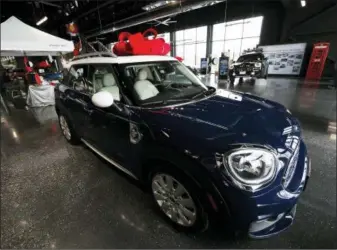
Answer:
(258, 65)
(251, 166)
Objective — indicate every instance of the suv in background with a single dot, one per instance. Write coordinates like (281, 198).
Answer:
(251, 65)
(207, 156)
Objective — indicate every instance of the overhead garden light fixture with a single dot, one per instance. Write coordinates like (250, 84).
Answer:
(303, 3)
(45, 18)
(158, 4)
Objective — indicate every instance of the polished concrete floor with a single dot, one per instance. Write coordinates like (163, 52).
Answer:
(54, 195)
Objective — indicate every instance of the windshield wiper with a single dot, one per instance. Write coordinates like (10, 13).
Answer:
(165, 102)
(205, 92)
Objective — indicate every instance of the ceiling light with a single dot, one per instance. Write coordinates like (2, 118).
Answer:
(67, 14)
(42, 21)
(157, 5)
(303, 3)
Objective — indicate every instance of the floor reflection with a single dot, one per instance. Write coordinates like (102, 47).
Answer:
(44, 114)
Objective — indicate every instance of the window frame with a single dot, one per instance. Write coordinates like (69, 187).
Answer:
(70, 81)
(242, 22)
(115, 71)
(178, 43)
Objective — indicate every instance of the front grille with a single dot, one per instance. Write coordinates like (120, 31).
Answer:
(245, 67)
(294, 146)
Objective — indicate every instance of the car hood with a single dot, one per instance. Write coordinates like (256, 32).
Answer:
(225, 118)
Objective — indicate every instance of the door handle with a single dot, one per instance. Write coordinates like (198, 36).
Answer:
(88, 110)
(68, 96)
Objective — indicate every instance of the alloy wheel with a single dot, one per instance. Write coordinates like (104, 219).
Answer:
(174, 200)
(65, 128)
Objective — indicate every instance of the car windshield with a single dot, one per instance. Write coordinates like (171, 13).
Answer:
(250, 58)
(164, 82)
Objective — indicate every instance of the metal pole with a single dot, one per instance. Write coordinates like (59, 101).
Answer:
(224, 39)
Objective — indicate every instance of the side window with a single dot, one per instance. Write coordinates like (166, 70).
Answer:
(77, 76)
(103, 78)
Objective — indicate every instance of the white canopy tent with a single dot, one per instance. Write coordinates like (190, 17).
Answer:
(20, 39)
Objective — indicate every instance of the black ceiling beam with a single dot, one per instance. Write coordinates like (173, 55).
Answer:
(50, 4)
(135, 6)
(95, 9)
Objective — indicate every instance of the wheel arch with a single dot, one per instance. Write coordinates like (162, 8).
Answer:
(216, 203)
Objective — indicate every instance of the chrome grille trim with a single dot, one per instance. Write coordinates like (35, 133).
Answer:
(289, 173)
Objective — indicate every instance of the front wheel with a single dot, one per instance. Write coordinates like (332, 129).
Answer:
(178, 199)
(252, 81)
(240, 80)
(67, 130)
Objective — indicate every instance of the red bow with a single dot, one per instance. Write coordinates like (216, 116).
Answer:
(140, 44)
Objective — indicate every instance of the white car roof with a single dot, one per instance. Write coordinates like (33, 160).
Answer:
(122, 59)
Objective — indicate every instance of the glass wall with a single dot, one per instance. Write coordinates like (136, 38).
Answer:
(191, 44)
(236, 36)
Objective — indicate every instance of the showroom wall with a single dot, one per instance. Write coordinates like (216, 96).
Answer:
(314, 23)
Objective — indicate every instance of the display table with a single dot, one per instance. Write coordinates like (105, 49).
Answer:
(40, 96)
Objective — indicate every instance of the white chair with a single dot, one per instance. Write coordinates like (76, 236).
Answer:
(143, 87)
(109, 85)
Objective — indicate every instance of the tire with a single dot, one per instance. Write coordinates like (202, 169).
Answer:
(231, 80)
(187, 213)
(68, 130)
(266, 73)
(240, 80)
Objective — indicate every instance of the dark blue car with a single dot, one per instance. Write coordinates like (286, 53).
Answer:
(208, 156)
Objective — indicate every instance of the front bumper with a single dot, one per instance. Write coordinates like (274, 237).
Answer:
(268, 227)
(269, 211)
(247, 73)
(271, 224)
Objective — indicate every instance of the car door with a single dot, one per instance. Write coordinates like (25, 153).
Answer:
(74, 96)
(107, 129)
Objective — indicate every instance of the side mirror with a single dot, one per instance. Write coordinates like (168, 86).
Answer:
(102, 99)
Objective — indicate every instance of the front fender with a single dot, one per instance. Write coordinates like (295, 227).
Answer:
(215, 203)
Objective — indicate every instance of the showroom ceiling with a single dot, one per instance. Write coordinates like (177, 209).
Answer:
(91, 15)
(100, 17)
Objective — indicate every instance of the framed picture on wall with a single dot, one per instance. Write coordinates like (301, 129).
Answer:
(286, 58)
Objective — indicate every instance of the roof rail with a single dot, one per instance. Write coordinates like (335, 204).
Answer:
(94, 54)
(100, 45)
